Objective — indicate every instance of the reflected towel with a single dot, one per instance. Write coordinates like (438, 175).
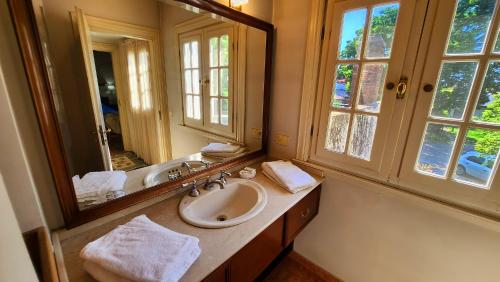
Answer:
(99, 186)
(141, 250)
(288, 175)
(224, 155)
(220, 148)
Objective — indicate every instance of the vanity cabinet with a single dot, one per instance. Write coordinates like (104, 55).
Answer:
(249, 262)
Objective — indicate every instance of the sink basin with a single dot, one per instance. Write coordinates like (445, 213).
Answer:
(172, 172)
(238, 202)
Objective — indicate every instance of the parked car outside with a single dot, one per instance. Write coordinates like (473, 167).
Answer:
(476, 165)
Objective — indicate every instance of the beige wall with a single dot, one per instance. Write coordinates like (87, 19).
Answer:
(15, 263)
(367, 232)
(23, 162)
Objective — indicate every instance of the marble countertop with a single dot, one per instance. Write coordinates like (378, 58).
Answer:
(217, 245)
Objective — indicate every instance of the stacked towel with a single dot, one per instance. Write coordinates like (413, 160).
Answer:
(99, 187)
(288, 176)
(140, 250)
(222, 150)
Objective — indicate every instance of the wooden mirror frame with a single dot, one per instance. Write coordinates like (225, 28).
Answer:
(24, 21)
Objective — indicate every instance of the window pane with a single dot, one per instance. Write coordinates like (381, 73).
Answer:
(224, 82)
(353, 26)
(224, 50)
(214, 51)
(381, 32)
(187, 81)
(497, 44)
(336, 134)
(436, 149)
(488, 105)
(371, 87)
(478, 156)
(224, 111)
(196, 107)
(454, 85)
(362, 134)
(196, 82)
(214, 110)
(345, 81)
(214, 87)
(187, 56)
(189, 106)
(470, 25)
(194, 54)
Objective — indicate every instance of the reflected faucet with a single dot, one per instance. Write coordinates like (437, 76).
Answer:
(187, 166)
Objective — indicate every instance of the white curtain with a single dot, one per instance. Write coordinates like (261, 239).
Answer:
(140, 135)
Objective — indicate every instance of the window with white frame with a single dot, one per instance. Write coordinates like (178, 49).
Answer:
(457, 122)
(360, 58)
(207, 66)
(446, 127)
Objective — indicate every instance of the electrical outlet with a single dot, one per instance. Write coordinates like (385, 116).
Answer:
(257, 133)
(281, 139)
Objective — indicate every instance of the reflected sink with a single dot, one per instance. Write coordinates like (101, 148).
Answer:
(238, 202)
(171, 172)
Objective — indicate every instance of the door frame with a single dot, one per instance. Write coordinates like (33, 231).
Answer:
(117, 72)
(152, 36)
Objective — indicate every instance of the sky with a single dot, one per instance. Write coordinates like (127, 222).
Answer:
(355, 19)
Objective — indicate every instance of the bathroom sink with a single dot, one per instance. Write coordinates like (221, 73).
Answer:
(238, 202)
(173, 171)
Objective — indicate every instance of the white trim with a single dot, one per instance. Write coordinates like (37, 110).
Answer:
(310, 78)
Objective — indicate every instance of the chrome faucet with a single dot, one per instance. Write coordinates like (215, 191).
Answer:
(194, 192)
(221, 181)
(187, 166)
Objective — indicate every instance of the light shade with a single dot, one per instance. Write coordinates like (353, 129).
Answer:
(237, 3)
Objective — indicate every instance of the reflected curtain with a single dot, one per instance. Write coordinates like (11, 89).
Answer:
(141, 133)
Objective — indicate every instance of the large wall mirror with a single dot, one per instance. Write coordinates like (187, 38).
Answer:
(144, 95)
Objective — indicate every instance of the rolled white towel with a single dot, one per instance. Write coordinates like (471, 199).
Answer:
(288, 176)
(140, 250)
(220, 148)
(97, 185)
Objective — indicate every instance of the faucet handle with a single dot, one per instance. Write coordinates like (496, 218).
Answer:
(223, 175)
(188, 184)
(194, 192)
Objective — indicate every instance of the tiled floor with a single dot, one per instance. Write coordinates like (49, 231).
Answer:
(295, 268)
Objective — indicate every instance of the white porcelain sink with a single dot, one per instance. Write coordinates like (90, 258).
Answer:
(238, 202)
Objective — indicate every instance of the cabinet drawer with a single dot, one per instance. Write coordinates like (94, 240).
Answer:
(300, 214)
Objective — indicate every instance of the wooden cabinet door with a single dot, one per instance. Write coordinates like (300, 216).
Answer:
(301, 214)
(218, 275)
(250, 261)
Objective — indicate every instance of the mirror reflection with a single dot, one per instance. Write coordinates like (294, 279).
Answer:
(151, 92)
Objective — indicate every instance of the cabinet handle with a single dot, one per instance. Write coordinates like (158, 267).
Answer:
(305, 213)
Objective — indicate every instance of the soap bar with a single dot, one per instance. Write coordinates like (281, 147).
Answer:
(246, 174)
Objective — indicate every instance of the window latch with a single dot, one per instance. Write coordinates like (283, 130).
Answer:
(401, 88)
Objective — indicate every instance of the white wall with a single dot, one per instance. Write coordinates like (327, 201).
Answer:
(15, 263)
(369, 232)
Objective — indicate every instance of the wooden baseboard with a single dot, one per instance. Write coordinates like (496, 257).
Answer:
(41, 253)
(323, 274)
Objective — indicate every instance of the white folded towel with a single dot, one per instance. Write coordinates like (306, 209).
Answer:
(98, 186)
(140, 250)
(220, 148)
(288, 176)
(224, 155)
